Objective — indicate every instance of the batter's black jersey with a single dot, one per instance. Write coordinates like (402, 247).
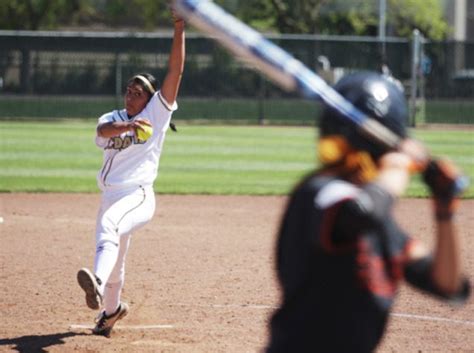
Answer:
(340, 258)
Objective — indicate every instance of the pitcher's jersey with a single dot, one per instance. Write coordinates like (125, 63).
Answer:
(127, 160)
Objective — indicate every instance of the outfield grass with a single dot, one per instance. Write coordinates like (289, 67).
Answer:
(62, 157)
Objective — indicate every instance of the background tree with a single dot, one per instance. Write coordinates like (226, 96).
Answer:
(44, 14)
(426, 15)
(300, 16)
(333, 17)
(342, 17)
(144, 14)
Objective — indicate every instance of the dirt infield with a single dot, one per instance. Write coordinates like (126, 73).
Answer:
(199, 278)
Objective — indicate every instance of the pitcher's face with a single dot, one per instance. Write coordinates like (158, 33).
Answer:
(136, 99)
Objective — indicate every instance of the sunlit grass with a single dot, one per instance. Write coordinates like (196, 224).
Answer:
(62, 157)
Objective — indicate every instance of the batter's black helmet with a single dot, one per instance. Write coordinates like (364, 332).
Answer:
(374, 95)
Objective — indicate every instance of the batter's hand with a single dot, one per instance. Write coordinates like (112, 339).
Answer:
(418, 154)
(394, 174)
(395, 167)
(443, 177)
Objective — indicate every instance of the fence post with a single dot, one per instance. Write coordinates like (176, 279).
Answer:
(417, 104)
(382, 25)
(118, 80)
(25, 71)
(261, 101)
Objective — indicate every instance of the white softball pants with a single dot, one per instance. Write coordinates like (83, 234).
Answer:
(121, 213)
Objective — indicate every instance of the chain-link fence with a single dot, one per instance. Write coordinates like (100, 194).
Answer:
(67, 74)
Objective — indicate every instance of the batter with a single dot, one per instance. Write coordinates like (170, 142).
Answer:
(340, 255)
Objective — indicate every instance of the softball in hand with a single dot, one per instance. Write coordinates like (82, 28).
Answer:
(144, 134)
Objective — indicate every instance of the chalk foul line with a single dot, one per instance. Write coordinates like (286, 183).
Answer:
(272, 307)
(433, 318)
(264, 307)
(123, 327)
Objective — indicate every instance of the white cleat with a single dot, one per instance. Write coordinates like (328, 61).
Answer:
(104, 323)
(90, 284)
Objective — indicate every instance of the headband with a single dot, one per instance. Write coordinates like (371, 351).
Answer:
(146, 82)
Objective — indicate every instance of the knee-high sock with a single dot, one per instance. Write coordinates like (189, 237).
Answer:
(112, 297)
(105, 259)
(113, 288)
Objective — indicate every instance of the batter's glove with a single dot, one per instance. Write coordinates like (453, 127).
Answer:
(446, 183)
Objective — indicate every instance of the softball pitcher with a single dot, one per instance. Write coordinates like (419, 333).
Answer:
(130, 166)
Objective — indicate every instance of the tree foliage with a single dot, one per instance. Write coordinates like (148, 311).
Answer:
(43, 14)
(426, 15)
(145, 14)
(50, 14)
(301, 16)
(348, 17)
(342, 17)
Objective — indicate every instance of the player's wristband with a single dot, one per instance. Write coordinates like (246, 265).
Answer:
(442, 216)
(445, 209)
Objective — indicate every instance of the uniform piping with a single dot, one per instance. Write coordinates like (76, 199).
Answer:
(133, 208)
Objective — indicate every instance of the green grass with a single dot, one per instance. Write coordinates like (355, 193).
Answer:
(62, 157)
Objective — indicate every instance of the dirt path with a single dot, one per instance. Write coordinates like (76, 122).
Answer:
(199, 278)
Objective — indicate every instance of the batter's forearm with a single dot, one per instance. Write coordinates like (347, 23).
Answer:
(446, 268)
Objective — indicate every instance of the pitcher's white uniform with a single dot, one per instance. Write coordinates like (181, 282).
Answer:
(126, 179)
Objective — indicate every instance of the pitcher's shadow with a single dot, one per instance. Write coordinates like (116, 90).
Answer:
(38, 343)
